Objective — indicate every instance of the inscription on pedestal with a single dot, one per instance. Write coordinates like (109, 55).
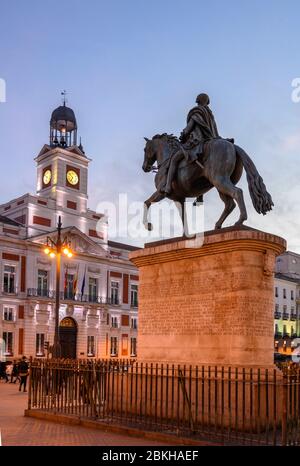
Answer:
(209, 308)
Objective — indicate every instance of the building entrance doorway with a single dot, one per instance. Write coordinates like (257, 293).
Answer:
(68, 337)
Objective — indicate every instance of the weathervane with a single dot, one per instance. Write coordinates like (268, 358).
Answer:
(64, 93)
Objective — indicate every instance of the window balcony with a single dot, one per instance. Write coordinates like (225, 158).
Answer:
(66, 296)
(285, 316)
(113, 301)
(277, 315)
(40, 293)
(9, 321)
(293, 316)
(10, 290)
(278, 334)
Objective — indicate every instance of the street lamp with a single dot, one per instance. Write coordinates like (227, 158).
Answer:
(55, 249)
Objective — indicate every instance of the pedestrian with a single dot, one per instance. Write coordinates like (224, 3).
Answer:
(3, 374)
(9, 367)
(23, 373)
(14, 373)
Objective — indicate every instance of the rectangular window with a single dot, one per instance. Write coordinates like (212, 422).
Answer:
(93, 289)
(133, 347)
(42, 289)
(125, 345)
(134, 323)
(113, 346)
(134, 295)
(277, 307)
(8, 343)
(114, 292)
(39, 344)
(9, 279)
(276, 291)
(284, 308)
(114, 322)
(284, 293)
(125, 320)
(8, 314)
(91, 345)
(292, 295)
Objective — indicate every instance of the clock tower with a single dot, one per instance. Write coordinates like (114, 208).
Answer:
(62, 177)
(62, 189)
(62, 166)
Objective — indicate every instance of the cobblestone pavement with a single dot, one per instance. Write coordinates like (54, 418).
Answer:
(19, 430)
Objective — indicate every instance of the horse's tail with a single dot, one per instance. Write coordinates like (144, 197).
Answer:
(261, 199)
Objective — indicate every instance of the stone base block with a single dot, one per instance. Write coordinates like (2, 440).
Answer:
(212, 304)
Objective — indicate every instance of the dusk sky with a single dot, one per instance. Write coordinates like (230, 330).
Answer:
(133, 69)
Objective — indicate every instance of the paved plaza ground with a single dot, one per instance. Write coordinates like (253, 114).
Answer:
(19, 430)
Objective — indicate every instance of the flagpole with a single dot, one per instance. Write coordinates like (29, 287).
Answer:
(83, 283)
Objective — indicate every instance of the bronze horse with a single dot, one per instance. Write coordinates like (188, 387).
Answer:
(222, 168)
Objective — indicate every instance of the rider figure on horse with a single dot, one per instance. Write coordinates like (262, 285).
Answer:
(201, 127)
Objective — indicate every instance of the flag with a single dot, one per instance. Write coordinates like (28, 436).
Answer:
(75, 281)
(66, 280)
(83, 283)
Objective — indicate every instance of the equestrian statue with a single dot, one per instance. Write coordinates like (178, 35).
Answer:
(198, 161)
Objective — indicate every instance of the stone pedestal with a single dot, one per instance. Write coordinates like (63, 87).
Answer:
(212, 304)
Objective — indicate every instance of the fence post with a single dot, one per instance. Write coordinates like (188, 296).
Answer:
(29, 383)
(284, 410)
(185, 395)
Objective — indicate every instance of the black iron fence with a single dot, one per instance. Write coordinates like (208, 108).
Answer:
(227, 405)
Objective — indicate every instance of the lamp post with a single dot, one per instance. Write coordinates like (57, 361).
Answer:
(55, 249)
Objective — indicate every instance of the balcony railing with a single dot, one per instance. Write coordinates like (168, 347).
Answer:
(67, 296)
(285, 316)
(40, 293)
(113, 301)
(293, 317)
(277, 315)
(9, 290)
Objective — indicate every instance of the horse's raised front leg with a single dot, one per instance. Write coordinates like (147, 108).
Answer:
(156, 197)
(229, 206)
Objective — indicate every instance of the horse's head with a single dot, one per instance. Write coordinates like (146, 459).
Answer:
(158, 149)
(149, 154)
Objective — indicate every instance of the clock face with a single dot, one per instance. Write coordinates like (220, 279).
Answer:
(72, 177)
(47, 177)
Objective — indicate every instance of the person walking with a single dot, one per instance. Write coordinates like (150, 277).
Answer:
(14, 373)
(3, 374)
(23, 373)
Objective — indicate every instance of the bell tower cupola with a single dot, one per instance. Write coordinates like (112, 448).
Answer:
(63, 126)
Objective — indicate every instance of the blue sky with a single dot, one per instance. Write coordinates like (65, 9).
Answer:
(133, 69)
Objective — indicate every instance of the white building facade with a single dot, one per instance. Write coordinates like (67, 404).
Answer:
(287, 300)
(98, 312)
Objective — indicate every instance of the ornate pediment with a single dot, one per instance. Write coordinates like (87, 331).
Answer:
(80, 242)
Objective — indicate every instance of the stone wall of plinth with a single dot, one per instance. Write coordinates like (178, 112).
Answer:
(212, 304)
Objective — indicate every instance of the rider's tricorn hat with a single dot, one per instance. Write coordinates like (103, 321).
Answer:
(202, 99)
